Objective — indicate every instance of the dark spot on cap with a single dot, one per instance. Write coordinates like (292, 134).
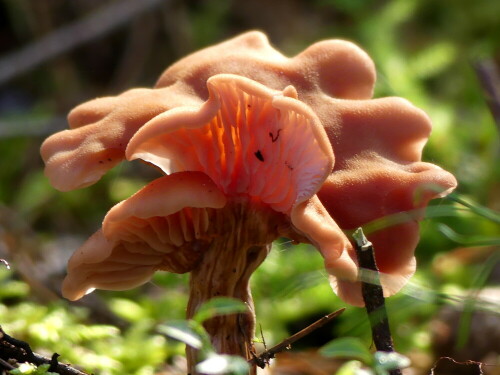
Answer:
(259, 156)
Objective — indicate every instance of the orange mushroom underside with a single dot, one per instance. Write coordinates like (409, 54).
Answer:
(261, 127)
(246, 137)
(247, 148)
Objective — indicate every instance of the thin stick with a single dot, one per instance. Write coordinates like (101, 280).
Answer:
(5, 263)
(373, 295)
(489, 77)
(263, 358)
(6, 365)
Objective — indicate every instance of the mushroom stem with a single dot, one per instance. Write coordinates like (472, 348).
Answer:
(230, 334)
(225, 270)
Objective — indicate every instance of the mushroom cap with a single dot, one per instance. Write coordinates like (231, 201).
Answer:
(379, 175)
(101, 128)
(99, 133)
(336, 68)
(377, 145)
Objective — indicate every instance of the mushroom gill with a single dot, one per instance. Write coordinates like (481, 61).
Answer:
(250, 140)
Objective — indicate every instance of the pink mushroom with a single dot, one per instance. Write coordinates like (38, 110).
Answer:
(242, 170)
(247, 138)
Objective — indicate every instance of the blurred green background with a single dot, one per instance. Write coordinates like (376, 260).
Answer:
(55, 54)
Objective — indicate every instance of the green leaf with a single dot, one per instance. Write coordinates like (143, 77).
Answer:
(31, 369)
(433, 60)
(387, 361)
(347, 347)
(219, 306)
(128, 309)
(24, 368)
(476, 208)
(474, 240)
(353, 368)
(471, 303)
(411, 215)
(184, 331)
(223, 364)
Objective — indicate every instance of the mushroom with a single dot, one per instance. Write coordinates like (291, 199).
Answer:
(246, 138)
(215, 213)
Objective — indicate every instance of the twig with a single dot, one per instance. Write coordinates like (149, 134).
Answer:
(373, 296)
(6, 365)
(11, 348)
(5, 263)
(68, 37)
(489, 77)
(263, 358)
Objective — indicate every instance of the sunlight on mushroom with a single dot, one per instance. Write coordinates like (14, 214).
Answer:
(255, 146)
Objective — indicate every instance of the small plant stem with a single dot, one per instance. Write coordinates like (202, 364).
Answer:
(373, 295)
(263, 358)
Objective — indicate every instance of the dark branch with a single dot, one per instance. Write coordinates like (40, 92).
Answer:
(373, 295)
(489, 77)
(263, 358)
(11, 348)
(6, 365)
